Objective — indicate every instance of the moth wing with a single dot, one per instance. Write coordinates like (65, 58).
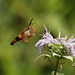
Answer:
(25, 39)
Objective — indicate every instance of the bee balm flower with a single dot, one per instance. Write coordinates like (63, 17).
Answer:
(58, 45)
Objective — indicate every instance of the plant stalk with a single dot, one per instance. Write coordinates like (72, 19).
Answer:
(57, 63)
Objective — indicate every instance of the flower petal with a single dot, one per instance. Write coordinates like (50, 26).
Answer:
(39, 42)
(41, 46)
(45, 28)
(72, 39)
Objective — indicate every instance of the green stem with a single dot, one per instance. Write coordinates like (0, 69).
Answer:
(57, 63)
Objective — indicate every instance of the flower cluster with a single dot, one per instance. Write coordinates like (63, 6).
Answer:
(58, 45)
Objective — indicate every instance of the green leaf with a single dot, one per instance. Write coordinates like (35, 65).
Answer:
(69, 57)
(47, 55)
(54, 54)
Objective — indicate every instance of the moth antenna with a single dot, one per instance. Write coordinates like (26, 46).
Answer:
(30, 22)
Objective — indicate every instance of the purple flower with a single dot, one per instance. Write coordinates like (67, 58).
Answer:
(48, 40)
(70, 45)
(42, 42)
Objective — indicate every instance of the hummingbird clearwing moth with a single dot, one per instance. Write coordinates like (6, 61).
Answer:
(25, 34)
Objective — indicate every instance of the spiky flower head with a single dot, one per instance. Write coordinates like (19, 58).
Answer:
(58, 45)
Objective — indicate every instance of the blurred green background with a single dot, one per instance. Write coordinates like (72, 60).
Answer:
(14, 16)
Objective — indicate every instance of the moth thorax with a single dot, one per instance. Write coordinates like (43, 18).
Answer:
(27, 32)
